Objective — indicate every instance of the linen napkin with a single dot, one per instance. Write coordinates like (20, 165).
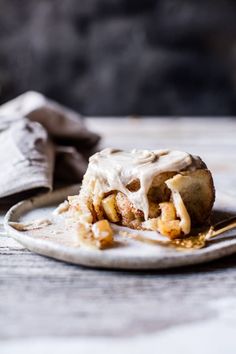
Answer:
(42, 145)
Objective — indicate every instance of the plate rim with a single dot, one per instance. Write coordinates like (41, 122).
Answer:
(102, 258)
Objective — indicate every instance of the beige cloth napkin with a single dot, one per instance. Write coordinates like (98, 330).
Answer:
(42, 144)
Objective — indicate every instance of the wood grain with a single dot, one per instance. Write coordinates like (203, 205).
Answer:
(43, 297)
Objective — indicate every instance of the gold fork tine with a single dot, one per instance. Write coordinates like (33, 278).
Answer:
(221, 227)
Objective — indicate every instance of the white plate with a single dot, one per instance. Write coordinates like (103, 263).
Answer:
(53, 241)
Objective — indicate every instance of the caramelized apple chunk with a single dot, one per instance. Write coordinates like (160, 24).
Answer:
(169, 228)
(168, 212)
(98, 235)
(110, 208)
(102, 233)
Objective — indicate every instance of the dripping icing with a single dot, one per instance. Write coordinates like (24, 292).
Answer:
(114, 169)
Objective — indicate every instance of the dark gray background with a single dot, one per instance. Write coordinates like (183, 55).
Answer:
(118, 57)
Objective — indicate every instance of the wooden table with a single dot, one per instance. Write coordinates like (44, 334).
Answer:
(47, 306)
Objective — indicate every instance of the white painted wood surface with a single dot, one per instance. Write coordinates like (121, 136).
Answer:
(47, 306)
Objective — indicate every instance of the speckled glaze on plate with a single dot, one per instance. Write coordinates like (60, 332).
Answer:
(56, 242)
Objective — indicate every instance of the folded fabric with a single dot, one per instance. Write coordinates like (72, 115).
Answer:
(63, 124)
(42, 144)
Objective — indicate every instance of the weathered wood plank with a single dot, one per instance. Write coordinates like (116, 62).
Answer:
(42, 297)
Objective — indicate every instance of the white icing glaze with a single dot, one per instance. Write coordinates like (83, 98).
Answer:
(113, 169)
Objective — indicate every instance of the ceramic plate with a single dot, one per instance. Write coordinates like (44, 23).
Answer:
(57, 242)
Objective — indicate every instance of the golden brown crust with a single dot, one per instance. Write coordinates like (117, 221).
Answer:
(198, 194)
